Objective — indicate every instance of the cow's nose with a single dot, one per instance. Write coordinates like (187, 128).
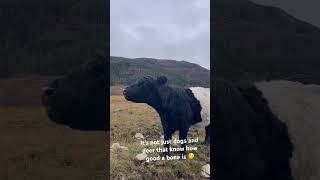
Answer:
(124, 90)
(48, 91)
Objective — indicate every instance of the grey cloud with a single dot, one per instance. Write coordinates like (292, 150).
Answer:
(166, 29)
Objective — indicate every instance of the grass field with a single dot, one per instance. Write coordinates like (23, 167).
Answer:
(33, 148)
(127, 119)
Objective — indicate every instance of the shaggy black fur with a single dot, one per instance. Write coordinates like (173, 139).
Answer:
(249, 142)
(80, 98)
(177, 107)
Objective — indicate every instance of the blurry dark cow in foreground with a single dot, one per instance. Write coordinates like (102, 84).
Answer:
(80, 99)
(266, 130)
(178, 108)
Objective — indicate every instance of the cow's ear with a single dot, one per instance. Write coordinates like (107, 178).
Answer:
(161, 80)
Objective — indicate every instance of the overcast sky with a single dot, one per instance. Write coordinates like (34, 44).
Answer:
(163, 29)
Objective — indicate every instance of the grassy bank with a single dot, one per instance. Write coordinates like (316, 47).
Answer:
(33, 148)
(127, 119)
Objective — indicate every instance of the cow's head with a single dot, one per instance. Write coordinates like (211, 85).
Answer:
(145, 90)
(79, 99)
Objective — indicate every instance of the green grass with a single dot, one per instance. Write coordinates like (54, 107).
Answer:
(127, 119)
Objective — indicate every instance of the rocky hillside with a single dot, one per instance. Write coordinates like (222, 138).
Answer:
(260, 42)
(124, 71)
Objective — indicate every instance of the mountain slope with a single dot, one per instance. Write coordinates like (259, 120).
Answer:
(262, 42)
(124, 71)
(40, 37)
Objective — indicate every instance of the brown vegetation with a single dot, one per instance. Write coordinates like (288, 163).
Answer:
(129, 118)
(34, 148)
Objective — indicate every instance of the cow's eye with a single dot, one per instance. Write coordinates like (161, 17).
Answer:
(139, 82)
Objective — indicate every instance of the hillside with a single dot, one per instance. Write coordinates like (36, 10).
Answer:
(262, 42)
(124, 71)
(50, 37)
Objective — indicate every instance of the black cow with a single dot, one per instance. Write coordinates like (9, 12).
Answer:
(250, 142)
(80, 98)
(266, 130)
(178, 108)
